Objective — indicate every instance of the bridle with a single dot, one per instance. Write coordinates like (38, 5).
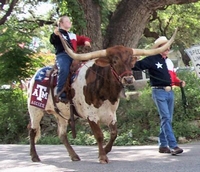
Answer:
(119, 77)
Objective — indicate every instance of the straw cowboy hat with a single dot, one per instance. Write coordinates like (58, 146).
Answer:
(161, 40)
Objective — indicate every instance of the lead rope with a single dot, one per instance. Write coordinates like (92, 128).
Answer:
(184, 99)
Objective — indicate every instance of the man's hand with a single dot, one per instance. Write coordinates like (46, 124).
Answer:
(182, 83)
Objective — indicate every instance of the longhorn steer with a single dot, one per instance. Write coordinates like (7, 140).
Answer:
(96, 93)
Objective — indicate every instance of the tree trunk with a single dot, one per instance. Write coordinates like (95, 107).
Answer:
(185, 57)
(93, 19)
(128, 22)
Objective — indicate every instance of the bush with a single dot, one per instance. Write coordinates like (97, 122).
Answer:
(13, 116)
(139, 121)
(138, 118)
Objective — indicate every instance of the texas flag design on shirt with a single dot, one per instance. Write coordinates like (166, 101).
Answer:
(170, 66)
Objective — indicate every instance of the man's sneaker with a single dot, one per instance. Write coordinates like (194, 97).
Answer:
(164, 150)
(176, 150)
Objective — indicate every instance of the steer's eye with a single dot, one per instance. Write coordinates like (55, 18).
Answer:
(114, 60)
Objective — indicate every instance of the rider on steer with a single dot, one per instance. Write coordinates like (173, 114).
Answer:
(63, 60)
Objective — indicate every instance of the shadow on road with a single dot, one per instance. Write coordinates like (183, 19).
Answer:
(54, 158)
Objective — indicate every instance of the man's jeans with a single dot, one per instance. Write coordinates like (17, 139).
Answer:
(63, 61)
(165, 104)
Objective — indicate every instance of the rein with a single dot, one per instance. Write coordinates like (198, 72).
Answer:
(184, 99)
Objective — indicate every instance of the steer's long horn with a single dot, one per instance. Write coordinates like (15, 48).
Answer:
(85, 56)
(142, 52)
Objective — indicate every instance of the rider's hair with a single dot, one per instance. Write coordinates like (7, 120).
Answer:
(60, 20)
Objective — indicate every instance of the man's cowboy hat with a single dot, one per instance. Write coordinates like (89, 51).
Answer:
(161, 40)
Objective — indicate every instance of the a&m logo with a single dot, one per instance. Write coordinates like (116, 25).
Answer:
(39, 95)
(40, 92)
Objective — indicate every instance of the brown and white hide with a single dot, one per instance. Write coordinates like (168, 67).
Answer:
(96, 92)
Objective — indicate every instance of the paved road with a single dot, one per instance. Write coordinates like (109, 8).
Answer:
(15, 158)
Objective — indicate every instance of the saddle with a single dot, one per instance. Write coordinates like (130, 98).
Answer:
(52, 75)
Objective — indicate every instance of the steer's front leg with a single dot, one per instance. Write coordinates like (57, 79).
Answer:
(113, 136)
(99, 138)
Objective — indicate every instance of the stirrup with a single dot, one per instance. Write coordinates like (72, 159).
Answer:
(59, 99)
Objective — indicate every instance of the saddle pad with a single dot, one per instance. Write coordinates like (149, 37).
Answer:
(41, 88)
(39, 94)
(42, 74)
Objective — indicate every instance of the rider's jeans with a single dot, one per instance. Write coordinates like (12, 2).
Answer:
(63, 61)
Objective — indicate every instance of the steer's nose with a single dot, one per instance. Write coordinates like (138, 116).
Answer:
(128, 80)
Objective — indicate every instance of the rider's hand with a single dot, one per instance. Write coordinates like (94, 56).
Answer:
(87, 44)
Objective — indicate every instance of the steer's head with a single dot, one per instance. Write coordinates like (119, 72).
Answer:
(121, 61)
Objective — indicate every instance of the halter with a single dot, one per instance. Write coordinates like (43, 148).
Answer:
(119, 77)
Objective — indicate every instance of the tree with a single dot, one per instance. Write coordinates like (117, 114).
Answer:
(107, 22)
(126, 24)
(7, 12)
(17, 59)
(131, 20)
(18, 55)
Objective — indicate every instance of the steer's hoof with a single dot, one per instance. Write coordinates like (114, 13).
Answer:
(103, 160)
(75, 158)
(36, 159)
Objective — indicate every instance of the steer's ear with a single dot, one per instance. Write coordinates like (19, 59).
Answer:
(102, 62)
